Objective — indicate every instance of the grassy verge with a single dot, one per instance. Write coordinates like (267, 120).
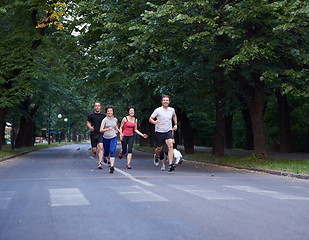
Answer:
(299, 166)
(6, 150)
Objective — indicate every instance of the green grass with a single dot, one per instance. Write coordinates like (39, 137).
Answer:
(6, 150)
(299, 166)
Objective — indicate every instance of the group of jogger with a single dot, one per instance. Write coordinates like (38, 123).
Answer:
(104, 129)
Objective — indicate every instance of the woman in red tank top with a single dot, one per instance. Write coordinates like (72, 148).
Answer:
(128, 127)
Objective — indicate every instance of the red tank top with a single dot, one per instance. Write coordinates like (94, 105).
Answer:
(128, 128)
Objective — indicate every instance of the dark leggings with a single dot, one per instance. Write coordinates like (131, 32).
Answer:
(127, 144)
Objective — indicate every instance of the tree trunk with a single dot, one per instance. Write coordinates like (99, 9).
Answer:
(248, 144)
(187, 132)
(306, 145)
(229, 131)
(25, 136)
(3, 112)
(255, 98)
(218, 143)
(73, 134)
(284, 122)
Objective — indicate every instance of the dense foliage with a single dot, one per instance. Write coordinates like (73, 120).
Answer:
(237, 71)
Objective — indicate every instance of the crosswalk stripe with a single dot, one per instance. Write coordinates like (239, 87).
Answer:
(138, 194)
(273, 194)
(205, 193)
(5, 198)
(74, 197)
(67, 197)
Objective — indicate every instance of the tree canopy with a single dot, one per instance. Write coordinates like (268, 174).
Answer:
(236, 71)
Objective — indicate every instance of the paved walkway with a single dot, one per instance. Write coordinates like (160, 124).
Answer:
(237, 152)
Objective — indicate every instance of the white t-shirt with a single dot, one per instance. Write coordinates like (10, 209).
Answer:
(109, 122)
(165, 117)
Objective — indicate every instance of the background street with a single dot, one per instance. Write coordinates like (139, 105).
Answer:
(58, 193)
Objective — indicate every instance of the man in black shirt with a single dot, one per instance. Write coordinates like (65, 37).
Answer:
(93, 123)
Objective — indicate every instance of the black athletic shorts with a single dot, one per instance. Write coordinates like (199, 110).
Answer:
(95, 139)
(161, 137)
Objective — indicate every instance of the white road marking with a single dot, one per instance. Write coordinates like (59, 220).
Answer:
(273, 194)
(138, 194)
(133, 178)
(67, 197)
(205, 193)
(5, 198)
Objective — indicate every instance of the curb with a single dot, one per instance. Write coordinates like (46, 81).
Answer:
(17, 155)
(273, 172)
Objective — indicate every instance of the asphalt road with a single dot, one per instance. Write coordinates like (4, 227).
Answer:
(59, 194)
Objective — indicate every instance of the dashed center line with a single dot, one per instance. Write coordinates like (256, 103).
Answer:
(138, 194)
(131, 177)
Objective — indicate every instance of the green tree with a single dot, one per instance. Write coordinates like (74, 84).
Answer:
(37, 72)
(266, 34)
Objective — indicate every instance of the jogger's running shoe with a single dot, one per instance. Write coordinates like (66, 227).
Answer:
(171, 168)
(112, 169)
(163, 168)
(128, 166)
(104, 159)
(100, 165)
(120, 155)
(155, 160)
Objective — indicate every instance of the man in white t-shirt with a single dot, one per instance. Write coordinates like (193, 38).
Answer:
(162, 119)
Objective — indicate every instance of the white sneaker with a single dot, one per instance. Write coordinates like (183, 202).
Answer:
(163, 168)
(155, 160)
